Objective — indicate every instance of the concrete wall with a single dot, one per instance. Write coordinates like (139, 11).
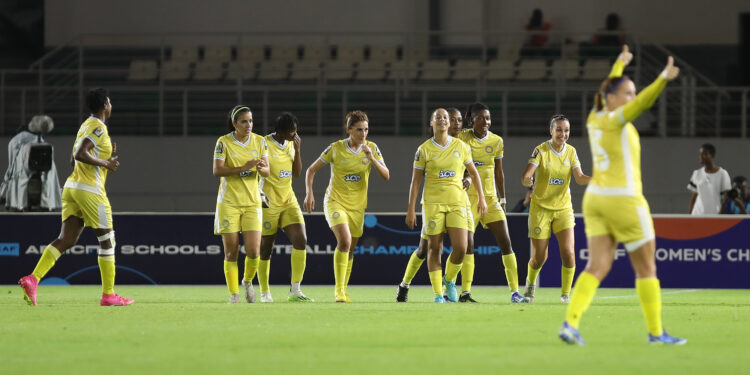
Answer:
(174, 173)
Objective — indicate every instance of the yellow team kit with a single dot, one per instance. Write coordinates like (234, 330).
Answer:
(484, 152)
(283, 208)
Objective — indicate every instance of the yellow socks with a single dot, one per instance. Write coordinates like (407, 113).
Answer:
(436, 279)
(581, 299)
(231, 275)
(299, 260)
(649, 292)
(532, 274)
(467, 273)
(511, 271)
(412, 267)
(107, 269)
(451, 270)
(567, 279)
(46, 262)
(264, 270)
(349, 264)
(251, 266)
(340, 266)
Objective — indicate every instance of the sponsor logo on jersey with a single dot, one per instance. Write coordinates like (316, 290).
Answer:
(219, 148)
(352, 178)
(446, 174)
(556, 181)
(99, 131)
(285, 174)
(478, 163)
(246, 174)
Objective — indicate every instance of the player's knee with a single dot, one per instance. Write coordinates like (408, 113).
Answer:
(265, 253)
(299, 242)
(344, 244)
(106, 239)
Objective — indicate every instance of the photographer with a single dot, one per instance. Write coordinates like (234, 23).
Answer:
(738, 201)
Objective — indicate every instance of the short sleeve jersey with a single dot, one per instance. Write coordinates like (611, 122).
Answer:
(278, 186)
(350, 173)
(553, 173)
(240, 189)
(86, 176)
(443, 167)
(484, 152)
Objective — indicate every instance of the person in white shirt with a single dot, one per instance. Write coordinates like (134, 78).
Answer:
(709, 184)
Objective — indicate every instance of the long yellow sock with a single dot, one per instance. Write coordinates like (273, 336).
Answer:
(581, 298)
(340, 266)
(251, 266)
(231, 275)
(567, 279)
(412, 267)
(467, 273)
(511, 271)
(451, 271)
(349, 265)
(649, 292)
(264, 271)
(107, 269)
(46, 262)
(436, 279)
(532, 274)
(299, 260)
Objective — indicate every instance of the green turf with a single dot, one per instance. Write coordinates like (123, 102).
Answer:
(191, 330)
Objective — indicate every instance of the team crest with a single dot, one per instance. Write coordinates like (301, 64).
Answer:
(489, 149)
(225, 223)
(99, 131)
(267, 224)
(566, 163)
(254, 153)
(336, 215)
(432, 224)
(365, 160)
(537, 231)
(457, 154)
(219, 148)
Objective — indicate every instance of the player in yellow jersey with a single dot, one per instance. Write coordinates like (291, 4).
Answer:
(420, 254)
(85, 202)
(440, 161)
(281, 209)
(614, 208)
(240, 157)
(346, 196)
(487, 153)
(551, 210)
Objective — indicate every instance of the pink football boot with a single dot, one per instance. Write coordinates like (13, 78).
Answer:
(29, 284)
(115, 300)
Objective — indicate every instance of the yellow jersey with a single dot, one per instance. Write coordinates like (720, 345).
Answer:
(240, 189)
(350, 173)
(278, 186)
(89, 177)
(484, 151)
(615, 144)
(443, 167)
(553, 174)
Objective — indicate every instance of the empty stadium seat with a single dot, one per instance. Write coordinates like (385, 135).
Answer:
(352, 54)
(176, 70)
(509, 52)
(284, 53)
(420, 53)
(371, 70)
(143, 70)
(184, 53)
(241, 69)
(218, 53)
(501, 70)
(567, 69)
(596, 69)
(305, 70)
(404, 70)
(531, 69)
(383, 53)
(273, 70)
(339, 70)
(208, 70)
(251, 53)
(436, 70)
(467, 69)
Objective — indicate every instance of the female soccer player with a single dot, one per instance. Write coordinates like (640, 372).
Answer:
(346, 196)
(487, 153)
(85, 202)
(614, 208)
(282, 209)
(440, 160)
(554, 162)
(419, 255)
(239, 157)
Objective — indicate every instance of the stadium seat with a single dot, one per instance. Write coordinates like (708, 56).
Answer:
(509, 52)
(273, 70)
(419, 53)
(143, 70)
(371, 70)
(501, 70)
(217, 53)
(532, 69)
(435, 70)
(404, 70)
(316, 53)
(383, 53)
(208, 70)
(339, 70)
(251, 53)
(284, 53)
(352, 54)
(176, 70)
(566, 68)
(305, 70)
(187, 54)
(241, 69)
(467, 69)
(596, 69)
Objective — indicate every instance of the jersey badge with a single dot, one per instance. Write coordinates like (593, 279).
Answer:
(219, 148)
(489, 149)
(98, 131)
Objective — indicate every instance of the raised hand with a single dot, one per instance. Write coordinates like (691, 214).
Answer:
(670, 72)
(625, 55)
(367, 150)
(297, 141)
(112, 164)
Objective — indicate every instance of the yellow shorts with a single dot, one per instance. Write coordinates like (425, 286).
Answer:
(280, 217)
(336, 214)
(627, 219)
(469, 222)
(494, 211)
(94, 209)
(541, 220)
(437, 217)
(233, 219)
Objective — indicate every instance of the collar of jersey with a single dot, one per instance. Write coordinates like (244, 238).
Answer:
(274, 140)
(97, 119)
(346, 142)
(249, 138)
(477, 138)
(450, 139)
(553, 149)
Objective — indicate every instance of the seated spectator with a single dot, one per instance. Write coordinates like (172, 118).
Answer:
(709, 184)
(738, 201)
(612, 34)
(537, 29)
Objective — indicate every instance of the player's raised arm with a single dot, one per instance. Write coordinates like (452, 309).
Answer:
(646, 98)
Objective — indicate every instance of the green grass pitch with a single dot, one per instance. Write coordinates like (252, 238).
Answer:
(191, 330)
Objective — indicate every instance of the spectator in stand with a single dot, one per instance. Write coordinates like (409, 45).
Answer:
(739, 198)
(612, 34)
(709, 184)
(537, 29)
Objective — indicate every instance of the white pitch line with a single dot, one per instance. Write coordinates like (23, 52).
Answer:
(665, 293)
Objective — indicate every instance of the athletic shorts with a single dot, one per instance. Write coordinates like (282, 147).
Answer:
(233, 219)
(494, 211)
(94, 209)
(627, 219)
(336, 214)
(542, 220)
(469, 222)
(280, 217)
(438, 217)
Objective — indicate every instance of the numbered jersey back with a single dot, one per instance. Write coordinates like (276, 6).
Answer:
(616, 155)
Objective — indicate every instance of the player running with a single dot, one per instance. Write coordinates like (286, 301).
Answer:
(554, 163)
(85, 202)
(346, 196)
(239, 157)
(614, 208)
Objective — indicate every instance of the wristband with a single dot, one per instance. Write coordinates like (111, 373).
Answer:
(501, 201)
